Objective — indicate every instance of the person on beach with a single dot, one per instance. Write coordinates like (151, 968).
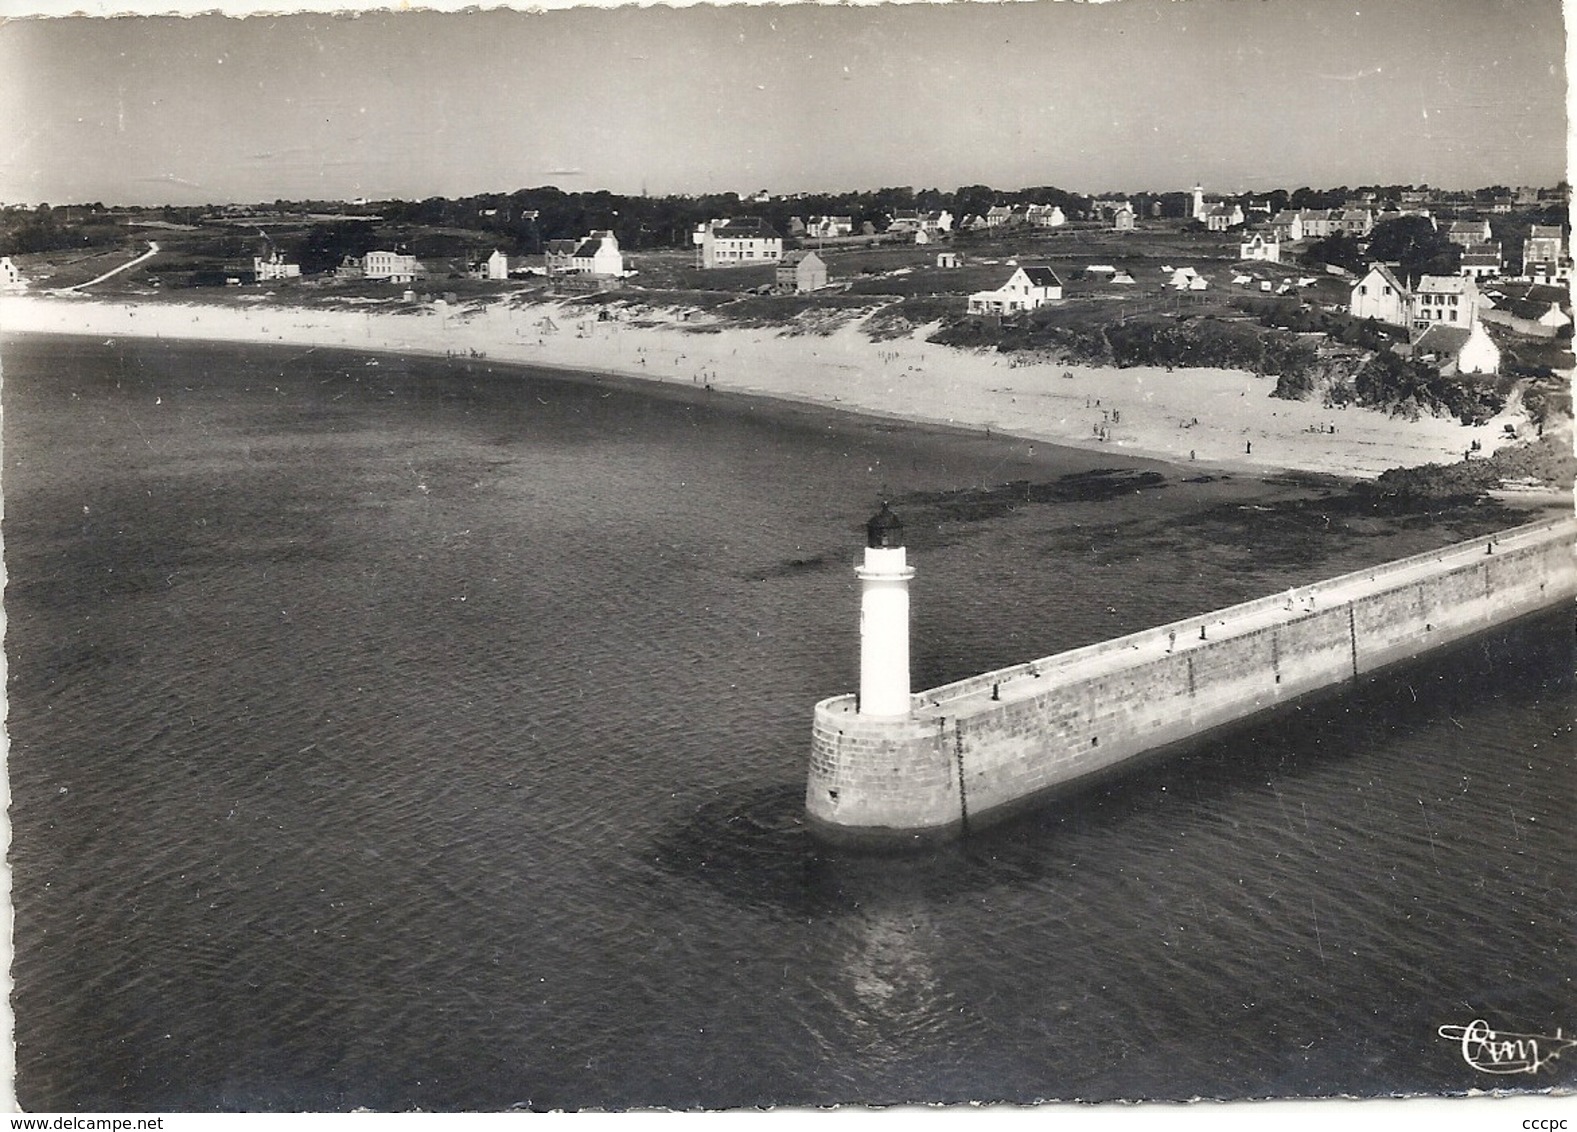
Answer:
(1248, 448)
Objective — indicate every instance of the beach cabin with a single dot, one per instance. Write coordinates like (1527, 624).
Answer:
(947, 259)
(1027, 289)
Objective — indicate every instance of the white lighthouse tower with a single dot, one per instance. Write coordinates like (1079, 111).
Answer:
(1199, 203)
(884, 618)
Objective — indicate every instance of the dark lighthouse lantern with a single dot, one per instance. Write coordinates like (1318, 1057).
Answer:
(884, 529)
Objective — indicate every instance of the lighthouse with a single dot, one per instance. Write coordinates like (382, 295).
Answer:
(1199, 203)
(884, 618)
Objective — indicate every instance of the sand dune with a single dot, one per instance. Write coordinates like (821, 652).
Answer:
(1212, 417)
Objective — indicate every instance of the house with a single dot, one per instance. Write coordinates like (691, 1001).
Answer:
(1501, 204)
(1535, 311)
(1380, 295)
(556, 255)
(937, 221)
(270, 267)
(1457, 349)
(495, 267)
(1258, 247)
(829, 227)
(947, 259)
(801, 271)
(351, 267)
(1468, 232)
(1451, 300)
(1287, 226)
(1027, 289)
(597, 255)
(1220, 217)
(390, 267)
(999, 216)
(1318, 223)
(1354, 222)
(1046, 216)
(1123, 220)
(739, 242)
(10, 278)
(905, 220)
(1482, 261)
(1545, 245)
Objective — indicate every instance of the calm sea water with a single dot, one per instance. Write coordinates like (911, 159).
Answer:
(407, 735)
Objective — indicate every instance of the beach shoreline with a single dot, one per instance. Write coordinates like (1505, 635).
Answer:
(1206, 419)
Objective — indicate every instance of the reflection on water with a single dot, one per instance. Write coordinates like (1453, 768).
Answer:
(419, 737)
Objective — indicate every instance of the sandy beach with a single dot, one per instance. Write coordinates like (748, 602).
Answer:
(1211, 417)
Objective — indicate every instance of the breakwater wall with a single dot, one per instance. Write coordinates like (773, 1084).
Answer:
(975, 750)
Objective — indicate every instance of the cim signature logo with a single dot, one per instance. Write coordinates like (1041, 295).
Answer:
(1499, 1051)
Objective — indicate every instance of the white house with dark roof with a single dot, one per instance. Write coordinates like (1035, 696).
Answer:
(741, 242)
(1027, 289)
(1046, 216)
(598, 255)
(801, 271)
(1318, 223)
(1457, 349)
(1450, 300)
(1354, 222)
(1545, 243)
(1259, 247)
(1123, 220)
(494, 267)
(1468, 232)
(1287, 226)
(1220, 217)
(1481, 261)
(1380, 295)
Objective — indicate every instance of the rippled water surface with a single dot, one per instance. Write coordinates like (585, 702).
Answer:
(407, 735)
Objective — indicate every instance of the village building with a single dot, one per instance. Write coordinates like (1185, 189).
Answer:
(389, 267)
(556, 255)
(829, 227)
(1380, 295)
(1532, 310)
(1123, 220)
(1457, 349)
(1481, 261)
(272, 266)
(1220, 217)
(1046, 216)
(10, 277)
(1544, 254)
(740, 242)
(1260, 248)
(801, 271)
(947, 259)
(1027, 289)
(1468, 232)
(598, 256)
(1354, 222)
(1450, 300)
(999, 216)
(1318, 223)
(1287, 226)
(495, 267)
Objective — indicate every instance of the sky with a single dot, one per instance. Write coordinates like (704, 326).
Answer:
(1127, 95)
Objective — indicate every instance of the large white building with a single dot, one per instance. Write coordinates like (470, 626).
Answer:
(1450, 300)
(598, 254)
(1027, 289)
(390, 267)
(737, 243)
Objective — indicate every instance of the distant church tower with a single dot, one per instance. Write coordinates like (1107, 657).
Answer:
(884, 618)
(1199, 202)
